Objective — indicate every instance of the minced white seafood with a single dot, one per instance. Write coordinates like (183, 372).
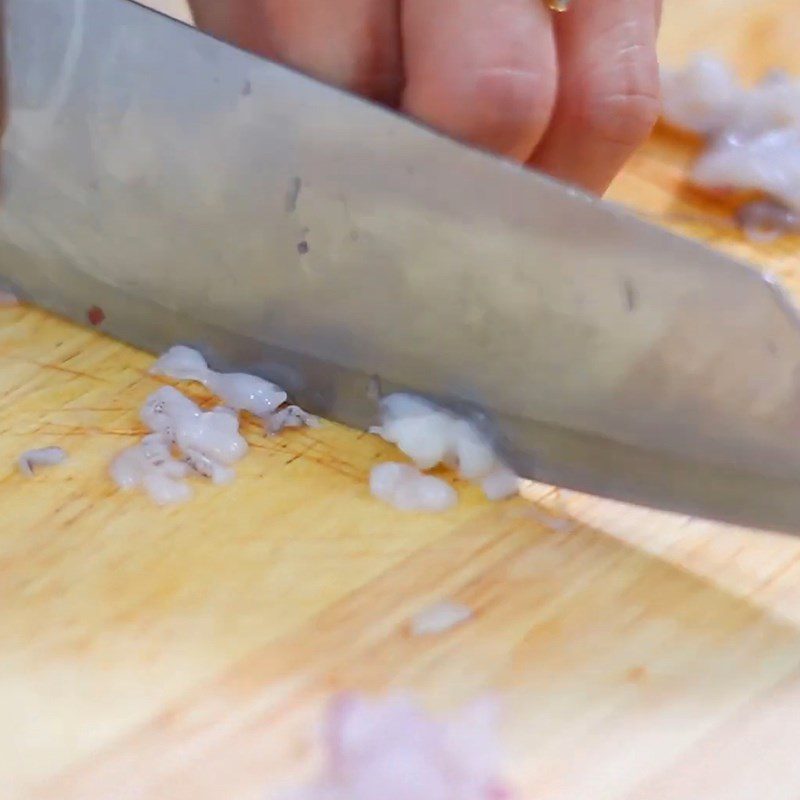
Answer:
(151, 466)
(30, 460)
(440, 617)
(185, 439)
(214, 433)
(182, 363)
(206, 442)
(763, 220)
(407, 488)
(752, 134)
(392, 749)
(430, 435)
(237, 390)
(290, 417)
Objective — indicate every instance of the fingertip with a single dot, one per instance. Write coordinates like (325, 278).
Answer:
(609, 94)
(502, 110)
(484, 75)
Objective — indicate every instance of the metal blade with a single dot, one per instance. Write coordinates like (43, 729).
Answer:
(198, 193)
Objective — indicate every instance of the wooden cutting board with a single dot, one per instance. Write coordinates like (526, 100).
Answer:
(187, 653)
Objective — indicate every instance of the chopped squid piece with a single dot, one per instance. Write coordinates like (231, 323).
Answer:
(207, 442)
(150, 464)
(700, 98)
(182, 363)
(430, 435)
(773, 104)
(752, 135)
(290, 417)
(166, 408)
(30, 460)
(207, 467)
(238, 390)
(420, 429)
(166, 491)
(706, 98)
(440, 618)
(768, 162)
(390, 749)
(406, 488)
(215, 434)
(764, 220)
(246, 392)
(500, 483)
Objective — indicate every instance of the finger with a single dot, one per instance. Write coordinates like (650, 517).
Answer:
(354, 44)
(483, 71)
(608, 92)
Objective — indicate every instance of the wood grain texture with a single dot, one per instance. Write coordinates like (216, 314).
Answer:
(187, 653)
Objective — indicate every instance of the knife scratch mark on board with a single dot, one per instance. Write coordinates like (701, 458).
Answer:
(295, 185)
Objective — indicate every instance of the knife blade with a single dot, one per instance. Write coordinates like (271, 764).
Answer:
(201, 194)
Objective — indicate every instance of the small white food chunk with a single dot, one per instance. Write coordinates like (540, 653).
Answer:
(186, 439)
(500, 483)
(208, 441)
(420, 429)
(238, 390)
(769, 162)
(150, 464)
(430, 436)
(40, 457)
(166, 408)
(391, 749)
(215, 434)
(439, 618)
(166, 491)
(246, 392)
(182, 363)
(408, 489)
(752, 134)
(290, 417)
(764, 220)
(702, 97)
(470, 452)
(207, 467)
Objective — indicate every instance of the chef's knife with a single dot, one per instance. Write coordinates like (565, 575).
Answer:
(187, 191)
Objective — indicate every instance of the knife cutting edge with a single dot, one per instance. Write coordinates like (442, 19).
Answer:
(197, 193)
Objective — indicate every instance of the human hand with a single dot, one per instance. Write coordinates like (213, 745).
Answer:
(572, 94)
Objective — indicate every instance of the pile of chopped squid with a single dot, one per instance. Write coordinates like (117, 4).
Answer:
(407, 488)
(431, 436)
(390, 749)
(185, 440)
(752, 138)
